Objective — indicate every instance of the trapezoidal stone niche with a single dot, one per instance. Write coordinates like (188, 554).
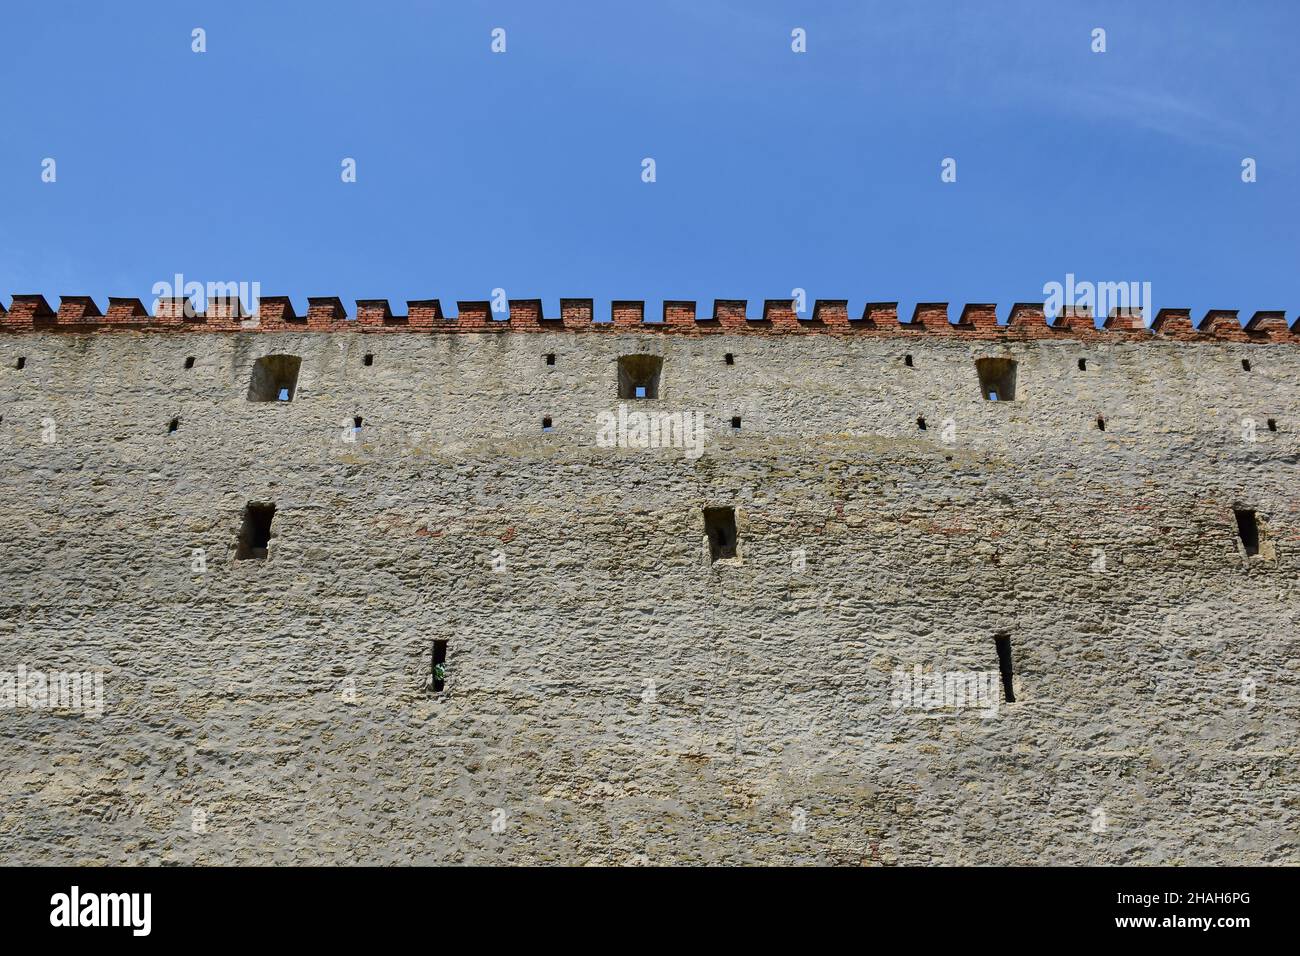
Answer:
(420, 614)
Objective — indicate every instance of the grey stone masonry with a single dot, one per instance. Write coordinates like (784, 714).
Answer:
(617, 685)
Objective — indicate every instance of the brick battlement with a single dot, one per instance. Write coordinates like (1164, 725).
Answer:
(1026, 320)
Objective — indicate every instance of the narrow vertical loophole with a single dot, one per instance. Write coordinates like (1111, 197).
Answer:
(720, 527)
(1101, 423)
(1003, 643)
(907, 360)
(439, 664)
(174, 424)
(255, 534)
(21, 363)
(1245, 365)
(1247, 529)
(1083, 365)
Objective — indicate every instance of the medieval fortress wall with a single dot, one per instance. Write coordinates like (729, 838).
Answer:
(613, 692)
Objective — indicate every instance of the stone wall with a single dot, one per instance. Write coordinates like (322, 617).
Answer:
(612, 694)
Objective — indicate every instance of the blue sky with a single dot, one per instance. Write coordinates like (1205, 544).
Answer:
(775, 170)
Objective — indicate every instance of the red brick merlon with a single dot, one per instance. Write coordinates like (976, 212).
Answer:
(1026, 321)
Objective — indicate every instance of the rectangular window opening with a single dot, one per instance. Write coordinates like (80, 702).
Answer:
(439, 664)
(1247, 529)
(189, 362)
(735, 423)
(907, 360)
(255, 534)
(1272, 424)
(1245, 365)
(638, 376)
(550, 358)
(920, 422)
(1083, 365)
(174, 424)
(21, 363)
(1003, 644)
(546, 423)
(997, 378)
(274, 379)
(729, 359)
(369, 359)
(720, 526)
(356, 423)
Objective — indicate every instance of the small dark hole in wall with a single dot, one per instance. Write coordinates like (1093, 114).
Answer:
(356, 423)
(907, 360)
(189, 362)
(1247, 529)
(720, 526)
(546, 423)
(1101, 423)
(1272, 424)
(174, 424)
(920, 422)
(439, 664)
(255, 534)
(1245, 365)
(21, 363)
(1083, 365)
(729, 359)
(550, 358)
(735, 423)
(369, 359)
(1003, 644)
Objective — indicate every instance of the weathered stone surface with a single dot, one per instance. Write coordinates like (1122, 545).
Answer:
(611, 696)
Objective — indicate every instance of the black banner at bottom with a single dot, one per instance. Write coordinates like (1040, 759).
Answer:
(371, 906)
